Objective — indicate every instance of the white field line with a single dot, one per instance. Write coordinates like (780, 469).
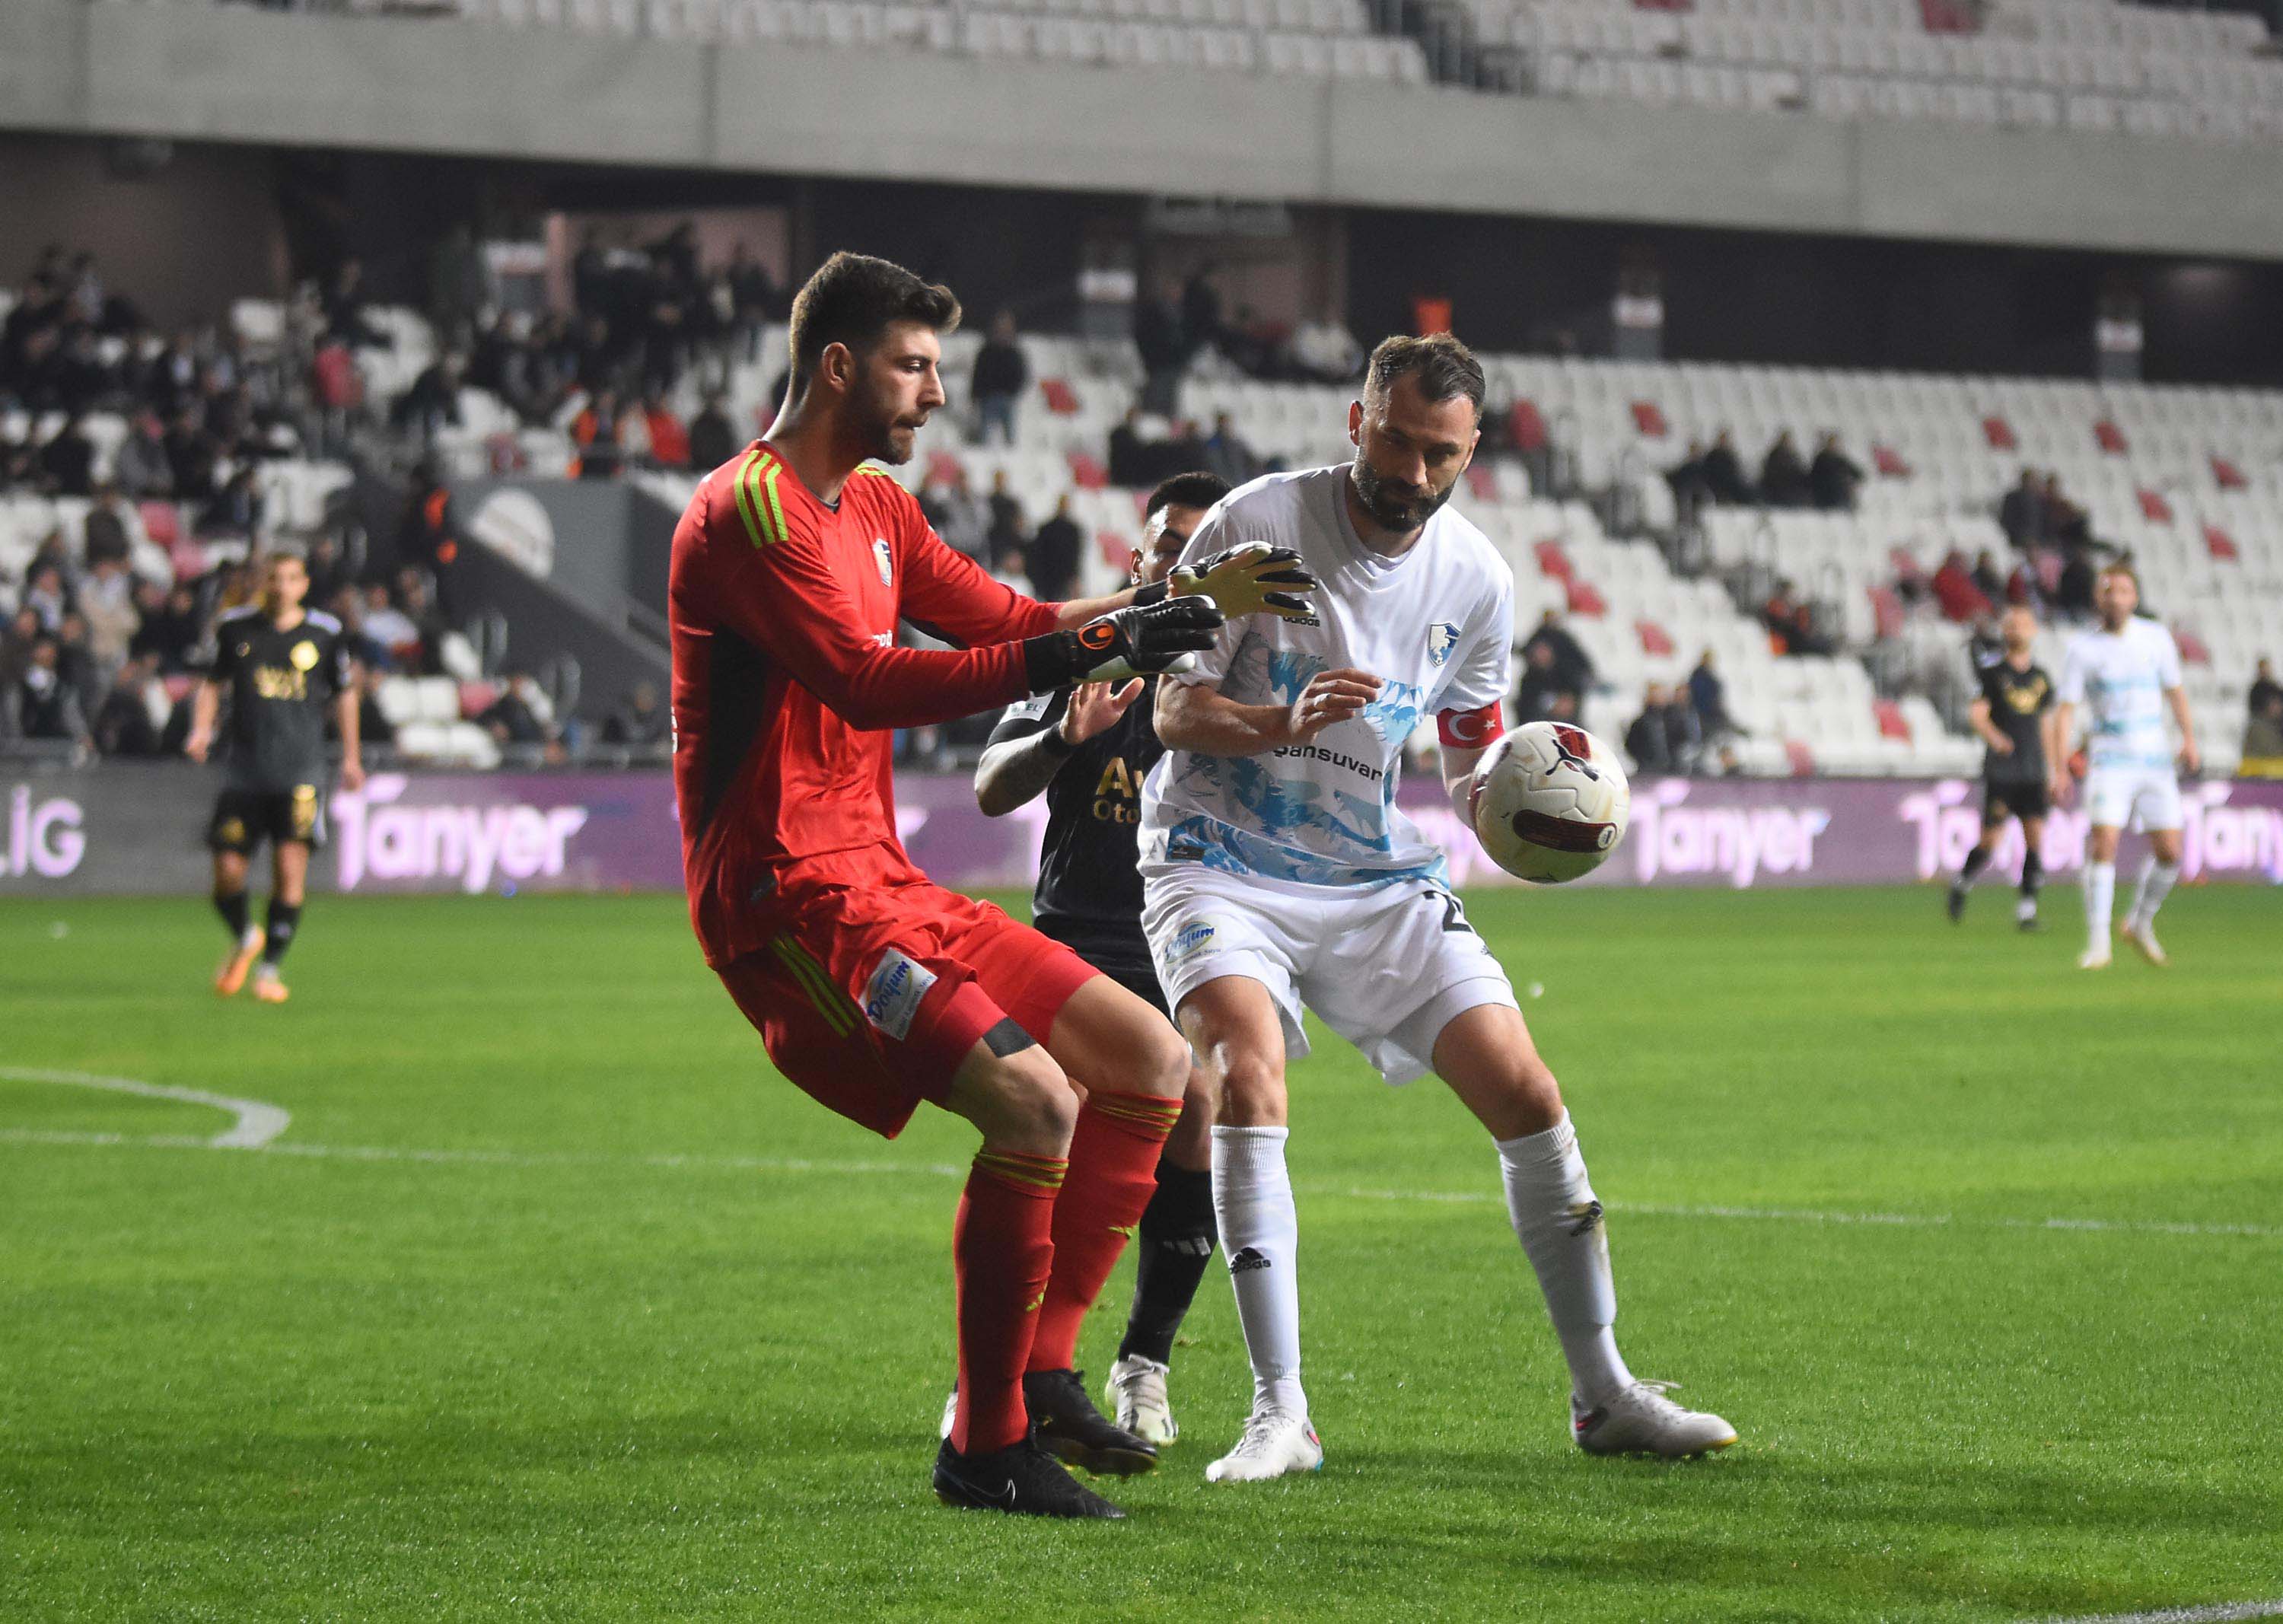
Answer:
(254, 1124)
(2219, 1612)
(940, 1170)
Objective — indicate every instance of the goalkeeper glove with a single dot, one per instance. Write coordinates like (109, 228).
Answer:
(1253, 579)
(1139, 640)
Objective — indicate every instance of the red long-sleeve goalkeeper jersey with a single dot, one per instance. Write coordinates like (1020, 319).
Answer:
(786, 676)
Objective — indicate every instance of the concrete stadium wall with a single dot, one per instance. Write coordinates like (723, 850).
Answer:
(233, 73)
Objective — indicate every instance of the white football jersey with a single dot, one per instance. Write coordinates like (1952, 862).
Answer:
(2120, 678)
(1435, 626)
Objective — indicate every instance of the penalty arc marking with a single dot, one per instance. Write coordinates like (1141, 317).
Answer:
(254, 1124)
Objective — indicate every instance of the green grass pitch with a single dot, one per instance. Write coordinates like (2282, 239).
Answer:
(553, 1302)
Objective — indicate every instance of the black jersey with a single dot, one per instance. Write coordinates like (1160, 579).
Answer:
(276, 686)
(1089, 878)
(2018, 701)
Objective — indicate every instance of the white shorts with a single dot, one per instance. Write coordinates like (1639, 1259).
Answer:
(1386, 968)
(2138, 798)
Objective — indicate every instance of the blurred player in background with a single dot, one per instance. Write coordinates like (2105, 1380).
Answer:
(280, 666)
(1279, 873)
(1088, 749)
(873, 989)
(2014, 714)
(2126, 674)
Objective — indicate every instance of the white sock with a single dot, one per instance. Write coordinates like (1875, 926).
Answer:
(2156, 882)
(2099, 898)
(1260, 1237)
(1558, 1223)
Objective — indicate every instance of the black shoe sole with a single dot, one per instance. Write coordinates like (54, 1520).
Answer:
(960, 1501)
(1101, 1460)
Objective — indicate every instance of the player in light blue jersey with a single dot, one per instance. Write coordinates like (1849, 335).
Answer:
(2125, 674)
(1278, 872)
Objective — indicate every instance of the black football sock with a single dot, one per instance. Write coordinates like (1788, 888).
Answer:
(285, 919)
(2033, 873)
(1977, 861)
(232, 906)
(1177, 1235)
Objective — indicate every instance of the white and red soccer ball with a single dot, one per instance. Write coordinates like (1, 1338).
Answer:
(1550, 802)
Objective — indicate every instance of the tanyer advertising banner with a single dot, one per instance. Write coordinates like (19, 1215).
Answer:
(129, 830)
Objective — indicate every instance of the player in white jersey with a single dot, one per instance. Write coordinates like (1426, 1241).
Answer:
(2126, 674)
(1278, 873)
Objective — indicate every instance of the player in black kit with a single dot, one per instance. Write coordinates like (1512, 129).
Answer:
(2015, 715)
(280, 666)
(1089, 748)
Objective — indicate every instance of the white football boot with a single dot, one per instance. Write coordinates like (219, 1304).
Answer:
(1275, 1442)
(2142, 935)
(1136, 1393)
(1642, 1421)
(2093, 958)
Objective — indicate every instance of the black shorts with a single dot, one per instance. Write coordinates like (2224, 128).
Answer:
(2014, 798)
(1123, 958)
(244, 818)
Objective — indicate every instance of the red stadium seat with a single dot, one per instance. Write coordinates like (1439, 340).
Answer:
(2193, 648)
(1999, 433)
(2109, 438)
(1087, 473)
(1892, 723)
(1886, 612)
(2228, 476)
(1648, 419)
(1888, 462)
(2154, 508)
(1116, 549)
(1585, 600)
(2221, 545)
(1060, 397)
(1481, 479)
(476, 699)
(943, 468)
(1802, 758)
(1654, 638)
(1526, 427)
(1552, 559)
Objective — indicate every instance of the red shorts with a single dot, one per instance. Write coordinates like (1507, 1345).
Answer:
(876, 982)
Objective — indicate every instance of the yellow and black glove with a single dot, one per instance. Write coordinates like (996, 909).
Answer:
(1253, 579)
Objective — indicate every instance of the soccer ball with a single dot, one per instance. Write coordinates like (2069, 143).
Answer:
(1550, 802)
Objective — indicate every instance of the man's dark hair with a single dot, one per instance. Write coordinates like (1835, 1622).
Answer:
(1446, 368)
(1196, 490)
(852, 300)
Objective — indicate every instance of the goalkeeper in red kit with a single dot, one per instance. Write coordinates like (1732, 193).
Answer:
(874, 990)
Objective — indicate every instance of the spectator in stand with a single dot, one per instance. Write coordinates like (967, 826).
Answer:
(2073, 593)
(1324, 351)
(1708, 697)
(1987, 580)
(605, 435)
(669, 442)
(521, 718)
(1005, 532)
(2021, 511)
(1227, 455)
(191, 455)
(2264, 687)
(1955, 593)
(375, 730)
(103, 533)
(106, 601)
(48, 704)
(344, 306)
(1543, 696)
(432, 403)
(1683, 734)
(328, 568)
(2263, 737)
(1129, 452)
(643, 720)
(67, 461)
(1832, 477)
(1691, 489)
(756, 297)
(1001, 374)
(960, 518)
(123, 724)
(16, 640)
(1785, 617)
(348, 606)
(1572, 665)
(1164, 354)
(392, 628)
(2066, 523)
(46, 594)
(234, 510)
(1724, 472)
(712, 437)
(1783, 474)
(170, 629)
(1053, 556)
(1646, 739)
(1201, 312)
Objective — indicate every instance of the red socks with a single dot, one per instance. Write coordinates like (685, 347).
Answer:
(1113, 1164)
(1002, 1252)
